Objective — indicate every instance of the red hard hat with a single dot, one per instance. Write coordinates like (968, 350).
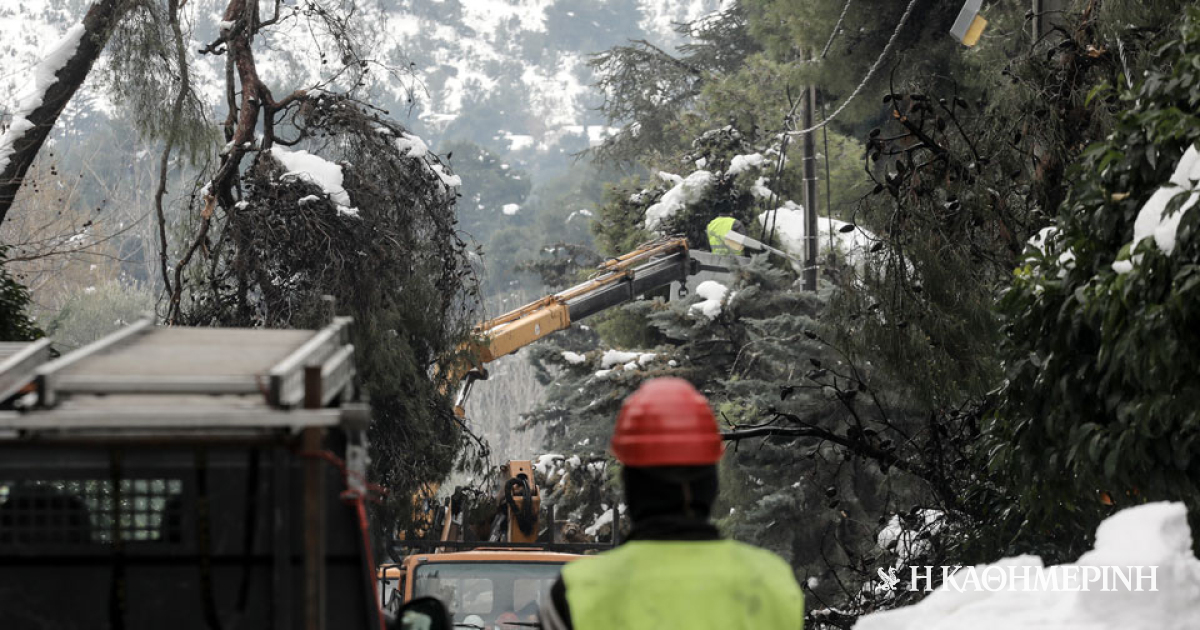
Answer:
(666, 422)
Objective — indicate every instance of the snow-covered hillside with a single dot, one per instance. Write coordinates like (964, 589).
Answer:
(511, 74)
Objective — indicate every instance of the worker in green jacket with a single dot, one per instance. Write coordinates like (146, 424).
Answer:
(673, 572)
(717, 229)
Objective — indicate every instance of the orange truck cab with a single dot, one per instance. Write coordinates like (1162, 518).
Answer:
(487, 585)
(483, 588)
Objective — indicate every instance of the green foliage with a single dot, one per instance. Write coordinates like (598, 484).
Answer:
(142, 76)
(651, 91)
(399, 268)
(795, 32)
(99, 310)
(879, 396)
(488, 185)
(829, 444)
(15, 324)
(1101, 376)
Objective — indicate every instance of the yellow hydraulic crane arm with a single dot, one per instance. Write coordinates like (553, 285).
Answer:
(616, 281)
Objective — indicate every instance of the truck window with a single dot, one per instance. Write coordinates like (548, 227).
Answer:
(494, 592)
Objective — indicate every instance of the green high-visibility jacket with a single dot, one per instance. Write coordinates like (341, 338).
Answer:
(717, 229)
(683, 585)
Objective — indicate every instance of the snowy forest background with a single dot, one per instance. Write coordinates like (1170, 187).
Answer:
(994, 364)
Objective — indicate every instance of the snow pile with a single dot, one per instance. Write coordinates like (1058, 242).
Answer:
(760, 190)
(1133, 540)
(450, 181)
(316, 169)
(574, 358)
(43, 78)
(605, 518)
(672, 178)
(684, 192)
(742, 163)
(510, 209)
(789, 228)
(411, 146)
(582, 212)
(908, 542)
(517, 142)
(713, 293)
(620, 360)
(548, 464)
(1152, 220)
(1043, 240)
(617, 357)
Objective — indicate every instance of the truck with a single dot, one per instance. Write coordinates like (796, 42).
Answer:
(500, 582)
(186, 477)
(497, 583)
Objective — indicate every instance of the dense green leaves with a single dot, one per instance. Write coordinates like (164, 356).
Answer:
(1101, 366)
(15, 324)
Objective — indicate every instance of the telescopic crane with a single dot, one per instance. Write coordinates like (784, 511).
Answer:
(500, 571)
(618, 280)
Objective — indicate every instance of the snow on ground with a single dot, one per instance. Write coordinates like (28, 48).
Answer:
(789, 228)
(1152, 220)
(560, 92)
(661, 17)
(517, 142)
(510, 209)
(686, 191)
(316, 169)
(43, 77)
(714, 300)
(1151, 535)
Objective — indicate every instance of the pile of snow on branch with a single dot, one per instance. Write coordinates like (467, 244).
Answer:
(686, 191)
(789, 227)
(742, 163)
(620, 360)
(909, 542)
(714, 300)
(1152, 535)
(1152, 220)
(44, 75)
(319, 171)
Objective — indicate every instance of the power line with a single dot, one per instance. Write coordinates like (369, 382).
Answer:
(836, 29)
(870, 73)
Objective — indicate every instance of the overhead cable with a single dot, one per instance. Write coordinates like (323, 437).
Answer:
(836, 29)
(870, 74)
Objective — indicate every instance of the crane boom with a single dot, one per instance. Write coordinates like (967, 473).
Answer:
(616, 281)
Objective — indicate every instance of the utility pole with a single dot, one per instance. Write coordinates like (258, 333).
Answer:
(811, 237)
(1046, 14)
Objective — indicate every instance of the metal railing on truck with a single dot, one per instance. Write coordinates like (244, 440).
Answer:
(186, 477)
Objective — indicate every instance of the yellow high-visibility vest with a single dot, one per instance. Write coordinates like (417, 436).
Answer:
(717, 229)
(683, 585)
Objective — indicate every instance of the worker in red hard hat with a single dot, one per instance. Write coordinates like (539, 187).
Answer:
(673, 571)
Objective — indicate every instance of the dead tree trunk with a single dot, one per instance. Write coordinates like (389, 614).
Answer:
(30, 128)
